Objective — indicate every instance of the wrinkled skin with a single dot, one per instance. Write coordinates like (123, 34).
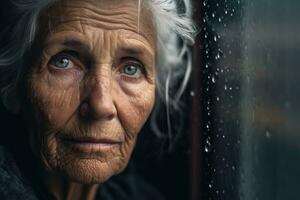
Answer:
(91, 89)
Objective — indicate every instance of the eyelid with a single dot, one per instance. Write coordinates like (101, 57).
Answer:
(135, 61)
(70, 54)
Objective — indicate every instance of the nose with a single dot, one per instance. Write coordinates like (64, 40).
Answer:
(99, 104)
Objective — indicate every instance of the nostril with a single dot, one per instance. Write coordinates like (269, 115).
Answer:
(110, 116)
(89, 111)
(83, 110)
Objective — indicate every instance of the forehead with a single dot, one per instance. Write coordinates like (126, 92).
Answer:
(78, 15)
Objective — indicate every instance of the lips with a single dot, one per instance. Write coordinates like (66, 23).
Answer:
(92, 140)
(90, 144)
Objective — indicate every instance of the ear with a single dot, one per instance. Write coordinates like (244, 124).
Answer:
(11, 99)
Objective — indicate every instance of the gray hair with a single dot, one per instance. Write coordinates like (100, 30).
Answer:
(175, 33)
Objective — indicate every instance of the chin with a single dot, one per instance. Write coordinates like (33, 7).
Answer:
(84, 163)
(92, 170)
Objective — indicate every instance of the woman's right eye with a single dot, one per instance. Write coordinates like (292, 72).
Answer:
(61, 61)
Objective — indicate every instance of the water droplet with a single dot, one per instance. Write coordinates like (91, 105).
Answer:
(207, 146)
(268, 134)
(218, 98)
(192, 93)
(208, 143)
(215, 38)
(213, 79)
(225, 87)
(210, 185)
(213, 15)
(206, 149)
(233, 167)
(219, 19)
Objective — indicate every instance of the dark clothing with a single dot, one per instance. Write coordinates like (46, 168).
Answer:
(12, 184)
(15, 186)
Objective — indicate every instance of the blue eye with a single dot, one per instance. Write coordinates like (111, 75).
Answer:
(61, 62)
(132, 70)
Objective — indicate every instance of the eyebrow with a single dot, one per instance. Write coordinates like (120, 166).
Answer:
(75, 43)
(133, 51)
(137, 49)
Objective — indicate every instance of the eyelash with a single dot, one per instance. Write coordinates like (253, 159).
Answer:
(71, 56)
(74, 58)
(135, 62)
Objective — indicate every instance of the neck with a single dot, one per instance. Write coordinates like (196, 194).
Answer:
(68, 190)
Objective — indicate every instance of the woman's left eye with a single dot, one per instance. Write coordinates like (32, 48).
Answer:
(61, 62)
(132, 70)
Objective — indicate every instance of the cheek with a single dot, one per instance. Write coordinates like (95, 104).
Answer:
(56, 98)
(135, 106)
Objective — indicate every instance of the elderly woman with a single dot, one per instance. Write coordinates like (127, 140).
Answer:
(83, 75)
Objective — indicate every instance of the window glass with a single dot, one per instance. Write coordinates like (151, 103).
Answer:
(251, 84)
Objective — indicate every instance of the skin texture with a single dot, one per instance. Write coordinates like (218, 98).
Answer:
(93, 97)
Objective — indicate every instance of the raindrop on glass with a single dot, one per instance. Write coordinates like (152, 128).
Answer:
(268, 134)
(206, 149)
(215, 38)
(213, 79)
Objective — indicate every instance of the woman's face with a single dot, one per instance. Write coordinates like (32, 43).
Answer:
(92, 87)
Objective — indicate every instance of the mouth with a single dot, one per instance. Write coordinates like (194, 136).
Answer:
(90, 144)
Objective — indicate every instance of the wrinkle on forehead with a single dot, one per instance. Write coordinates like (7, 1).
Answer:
(104, 14)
